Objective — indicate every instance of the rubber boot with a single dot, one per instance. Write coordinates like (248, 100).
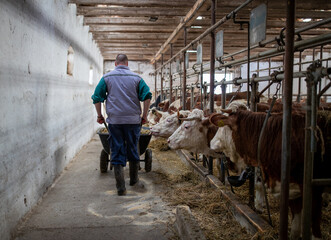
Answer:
(120, 182)
(134, 167)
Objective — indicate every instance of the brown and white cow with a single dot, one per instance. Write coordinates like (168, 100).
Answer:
(154, 116)
(194, 134)
(246, 127)
(168, 126)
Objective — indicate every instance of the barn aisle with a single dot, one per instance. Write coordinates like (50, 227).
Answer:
(83, 204)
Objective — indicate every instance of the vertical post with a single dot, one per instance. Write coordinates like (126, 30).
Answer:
(307, 191)
(287, 119)
(248, 62)
(161, 75)
(155, 81)
(184, 71)
(170, 76)
(299, 81)
(254, 87)
(212, 58)
(201, 87)
(269, 73)
(320, 83)
(192, 96)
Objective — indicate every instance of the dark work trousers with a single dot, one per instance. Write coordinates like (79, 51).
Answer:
(123, 142)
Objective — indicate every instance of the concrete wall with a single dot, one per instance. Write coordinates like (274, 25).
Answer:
(46, 115)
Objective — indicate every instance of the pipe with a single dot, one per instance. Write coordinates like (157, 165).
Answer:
(202, 93)
(155, 81)
(267, 41)
(170, 76)
(184, 72)
(287, 119)
(299, 81)
(161, 75)
(212, 58)
(301, 45)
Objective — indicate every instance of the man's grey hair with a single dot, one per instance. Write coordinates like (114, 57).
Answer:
(121, 59)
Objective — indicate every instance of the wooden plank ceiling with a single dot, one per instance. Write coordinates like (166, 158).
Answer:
(139, 28)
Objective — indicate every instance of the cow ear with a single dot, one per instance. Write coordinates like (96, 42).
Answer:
(159, 115)
(205, 122)
(218, 119)
(227, 110)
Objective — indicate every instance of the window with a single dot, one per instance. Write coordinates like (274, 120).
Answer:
(90, 78)
(70, 61)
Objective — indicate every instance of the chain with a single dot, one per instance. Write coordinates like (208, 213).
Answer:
(277, 89)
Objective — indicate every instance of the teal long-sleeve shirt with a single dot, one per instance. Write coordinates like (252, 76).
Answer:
(100, 93)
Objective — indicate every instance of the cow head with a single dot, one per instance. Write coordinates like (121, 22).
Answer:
(169, 125)
(154, 116)
(193, 134)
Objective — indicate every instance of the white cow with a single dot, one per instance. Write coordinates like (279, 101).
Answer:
(169, 125)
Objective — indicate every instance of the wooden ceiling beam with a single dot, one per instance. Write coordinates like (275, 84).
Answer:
(190, 17)
(130, 21)
(134, 3)
(131, 11)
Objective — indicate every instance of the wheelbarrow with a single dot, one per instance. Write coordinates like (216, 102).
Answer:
(105, 155)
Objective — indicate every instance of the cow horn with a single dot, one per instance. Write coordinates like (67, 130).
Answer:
(226, 111)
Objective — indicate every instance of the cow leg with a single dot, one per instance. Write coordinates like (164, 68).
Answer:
(259, 193)
(316, 212)
(219, 169)
(296, 209)
(259, 196)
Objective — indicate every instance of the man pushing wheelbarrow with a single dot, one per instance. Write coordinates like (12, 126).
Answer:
(123, 91)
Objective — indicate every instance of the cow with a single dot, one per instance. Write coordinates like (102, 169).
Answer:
(169, 125)
(194, 134)
(246, 127)
(154, 116)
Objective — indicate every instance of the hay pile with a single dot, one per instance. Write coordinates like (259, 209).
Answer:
(212, 212)
(185, 187)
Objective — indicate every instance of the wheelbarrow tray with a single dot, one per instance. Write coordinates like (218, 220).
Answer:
(144, 140)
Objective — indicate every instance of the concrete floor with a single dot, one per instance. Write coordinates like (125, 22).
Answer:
(83, 204)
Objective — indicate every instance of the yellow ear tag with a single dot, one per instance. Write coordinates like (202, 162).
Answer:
(220, 123)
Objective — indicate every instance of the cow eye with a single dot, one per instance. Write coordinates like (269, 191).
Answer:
(186, 126)
(169, 120)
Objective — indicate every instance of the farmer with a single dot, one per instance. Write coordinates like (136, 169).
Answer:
(123, 91)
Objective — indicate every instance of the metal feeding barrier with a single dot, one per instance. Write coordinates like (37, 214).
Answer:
(286, 47)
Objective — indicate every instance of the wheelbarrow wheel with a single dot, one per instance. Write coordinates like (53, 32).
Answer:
(148, 160)
(104, 160)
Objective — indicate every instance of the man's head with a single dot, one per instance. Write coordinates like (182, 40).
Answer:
(121, 59)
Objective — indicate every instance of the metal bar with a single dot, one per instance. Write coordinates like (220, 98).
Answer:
(267, 41)
(321, 39)
(184, 71)
(287, 119)
(155, 81)
(299, 81)
(269, 71)
(201, 87)
(209, 30)
(307, 187)
(320, 83)
(161, 75)
(324, 90)
(212, 57)
(170, 75)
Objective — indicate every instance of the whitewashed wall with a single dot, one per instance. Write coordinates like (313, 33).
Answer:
(46, 115)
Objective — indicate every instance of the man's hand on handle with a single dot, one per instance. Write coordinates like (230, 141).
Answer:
(101, 119)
